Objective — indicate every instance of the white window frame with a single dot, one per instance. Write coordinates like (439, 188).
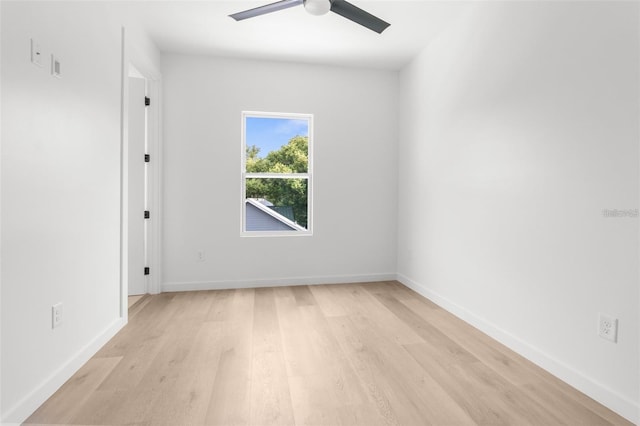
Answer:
(244, 175)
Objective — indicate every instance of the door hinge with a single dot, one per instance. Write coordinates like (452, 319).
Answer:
(147, 270)
(147, 101)
(147, 158)
(147, 214)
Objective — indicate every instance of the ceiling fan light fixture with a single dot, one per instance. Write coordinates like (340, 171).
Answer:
(317, 7)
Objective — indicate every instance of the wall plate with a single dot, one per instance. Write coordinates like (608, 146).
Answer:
(55, 67)
(36, 53)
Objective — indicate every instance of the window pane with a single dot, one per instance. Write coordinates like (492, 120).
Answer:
(276, 204)
(276, 145)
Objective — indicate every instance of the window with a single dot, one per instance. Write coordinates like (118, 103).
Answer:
(276, 173)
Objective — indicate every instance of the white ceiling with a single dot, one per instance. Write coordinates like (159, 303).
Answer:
(204, 28)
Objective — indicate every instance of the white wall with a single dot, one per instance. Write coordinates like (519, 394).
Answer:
(354, 163)
(519, 125)
(60, 194)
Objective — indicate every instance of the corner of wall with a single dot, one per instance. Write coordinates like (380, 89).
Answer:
(608, 397)
(29, 403)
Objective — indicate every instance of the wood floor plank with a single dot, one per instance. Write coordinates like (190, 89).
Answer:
(397, 381)
(557, 402)
(145, 327)
(230, 397)
(514, 368)
(164, 365)
(221, 305)
(360, 301)
(312, 403)
(486, 398)
(134, 364)
(321, 379)
(188, 401)
(355, 354)
(303, 295)
(363, 414)
(300, 344)
(425, 329)
(138, 305)
(64, 404)
(330, 304)
(368, 372)
(230, 403)
(565, 393)
(101, 407)
(270, 395)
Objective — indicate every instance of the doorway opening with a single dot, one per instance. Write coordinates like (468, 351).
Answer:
(137, 185)
(140, 183)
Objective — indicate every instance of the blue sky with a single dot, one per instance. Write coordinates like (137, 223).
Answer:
(270, 134)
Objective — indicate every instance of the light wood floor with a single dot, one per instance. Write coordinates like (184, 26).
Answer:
(132, 300)
(357, 354)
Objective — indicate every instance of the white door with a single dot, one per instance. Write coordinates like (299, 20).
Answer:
(136, 185)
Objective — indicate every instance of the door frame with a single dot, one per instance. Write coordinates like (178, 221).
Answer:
(132, 60)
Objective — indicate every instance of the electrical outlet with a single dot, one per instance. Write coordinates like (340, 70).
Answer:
(56, 315)
(201, 256)
(608, 327)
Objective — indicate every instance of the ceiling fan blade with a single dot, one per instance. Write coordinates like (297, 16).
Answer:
(262, 10)
(359, 16)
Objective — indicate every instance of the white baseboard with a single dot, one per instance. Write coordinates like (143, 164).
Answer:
(625, 407)
(27, 405)
(274, 282)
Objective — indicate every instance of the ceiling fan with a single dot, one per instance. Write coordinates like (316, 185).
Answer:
(320, 7)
